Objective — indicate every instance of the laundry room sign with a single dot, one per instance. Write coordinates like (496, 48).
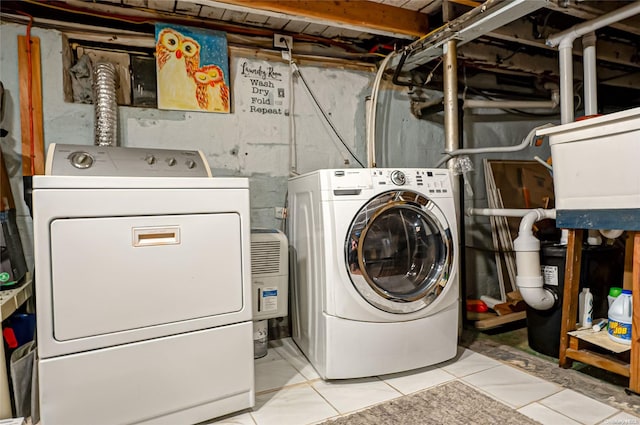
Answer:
(263, 87)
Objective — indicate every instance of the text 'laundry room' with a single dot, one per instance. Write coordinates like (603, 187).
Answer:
(337, 213)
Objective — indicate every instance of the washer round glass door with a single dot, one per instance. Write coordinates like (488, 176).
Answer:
(399, 251)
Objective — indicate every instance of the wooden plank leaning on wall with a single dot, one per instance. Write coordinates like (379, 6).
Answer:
(30, 76)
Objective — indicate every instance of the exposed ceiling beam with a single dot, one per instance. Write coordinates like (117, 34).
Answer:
(435, 6)
(358, 15)
(469, 3)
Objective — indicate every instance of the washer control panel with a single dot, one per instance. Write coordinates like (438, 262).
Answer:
(433, 180)
(91, 160)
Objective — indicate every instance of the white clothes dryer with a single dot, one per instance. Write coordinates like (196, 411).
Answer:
(375, 269)
(143, 288)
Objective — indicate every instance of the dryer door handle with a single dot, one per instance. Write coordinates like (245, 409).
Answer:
(152, 236)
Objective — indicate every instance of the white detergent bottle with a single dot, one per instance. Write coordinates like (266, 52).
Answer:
(620, 314)
(585, 308)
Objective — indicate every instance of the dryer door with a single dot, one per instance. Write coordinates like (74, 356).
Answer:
(399, 251)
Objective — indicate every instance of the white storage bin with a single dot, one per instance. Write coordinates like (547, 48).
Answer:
(596, 162)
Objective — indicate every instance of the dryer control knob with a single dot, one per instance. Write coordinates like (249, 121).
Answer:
(150, 159)
(81, 160)
(191, 164)
(398, 178)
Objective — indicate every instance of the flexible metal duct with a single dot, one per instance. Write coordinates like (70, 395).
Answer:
(105, 104)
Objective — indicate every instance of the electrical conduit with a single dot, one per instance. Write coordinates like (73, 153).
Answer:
(371, 118)
(451, 134)
(293, 152)
(527, 141)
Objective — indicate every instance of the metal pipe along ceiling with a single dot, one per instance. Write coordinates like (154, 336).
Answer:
(451, 97)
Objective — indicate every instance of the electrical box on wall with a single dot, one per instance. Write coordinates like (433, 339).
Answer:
(269, 273)
(282, 41)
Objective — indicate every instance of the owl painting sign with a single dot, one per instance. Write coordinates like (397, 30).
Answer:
(192, 68)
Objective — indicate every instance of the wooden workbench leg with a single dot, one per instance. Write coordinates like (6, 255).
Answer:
(634, 380)
(570, 293)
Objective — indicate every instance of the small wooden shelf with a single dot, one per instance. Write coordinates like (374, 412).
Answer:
(582, 351)
(572, 347)
(12, 299)
(598, 339)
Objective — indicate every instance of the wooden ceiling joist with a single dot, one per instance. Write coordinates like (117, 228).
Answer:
(352, 14)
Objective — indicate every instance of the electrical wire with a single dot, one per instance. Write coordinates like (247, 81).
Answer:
(324, 114)
(516, 51)
(430, 33)
(430, 75)
(576, 94)
(541, 33)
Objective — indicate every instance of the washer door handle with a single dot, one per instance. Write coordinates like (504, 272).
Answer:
(347, 192)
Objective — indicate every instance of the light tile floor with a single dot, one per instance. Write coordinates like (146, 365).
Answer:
(290, 392)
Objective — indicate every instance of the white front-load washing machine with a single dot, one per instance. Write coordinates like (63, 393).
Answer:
(374, 269)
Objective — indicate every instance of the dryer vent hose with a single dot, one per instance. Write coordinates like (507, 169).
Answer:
(105, 103)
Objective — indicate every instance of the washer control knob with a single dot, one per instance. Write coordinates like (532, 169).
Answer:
(171, 162)
(150, 159)
(398, 178)
(191, 163)
(81, 160)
